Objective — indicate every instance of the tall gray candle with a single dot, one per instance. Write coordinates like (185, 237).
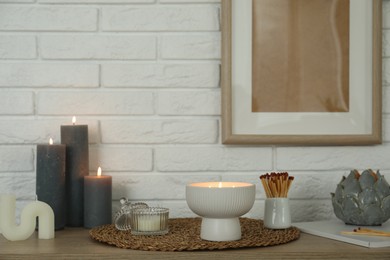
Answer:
(75, 137)
(97, 200)
(50, 185)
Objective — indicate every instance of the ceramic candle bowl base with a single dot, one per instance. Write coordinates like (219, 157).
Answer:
(220, 229)
(220, 204)
(277, 213)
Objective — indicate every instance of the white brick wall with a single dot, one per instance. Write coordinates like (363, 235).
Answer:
(165, 75)
(110, 47)
(144, 75)
(159, 131)
(160, 18)
(17, 47)
(35, 18)
(38, 74)
(94, 103)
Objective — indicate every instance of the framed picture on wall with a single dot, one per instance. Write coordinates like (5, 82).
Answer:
(301, 72)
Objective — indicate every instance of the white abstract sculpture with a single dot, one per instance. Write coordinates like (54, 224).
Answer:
(28, 217)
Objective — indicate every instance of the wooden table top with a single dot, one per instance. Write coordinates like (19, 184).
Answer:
(75, 243)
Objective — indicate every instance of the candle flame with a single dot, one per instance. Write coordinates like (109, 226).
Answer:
(99, 171)
(50, 141)
(73, 120)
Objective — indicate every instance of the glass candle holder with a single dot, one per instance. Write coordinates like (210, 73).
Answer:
(122, 218)
(149, 221)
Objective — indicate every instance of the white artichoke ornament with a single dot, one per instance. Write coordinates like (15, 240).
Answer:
(362, 199)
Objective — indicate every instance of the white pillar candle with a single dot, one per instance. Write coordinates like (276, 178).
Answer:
(28, 216)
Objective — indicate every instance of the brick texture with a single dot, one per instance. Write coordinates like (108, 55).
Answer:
(160, 75)
(42, 18)
(197, 47)
(163, 18)
(189, 103)
(16, 159)
(48, 75)
(95, 103)
(98, 47)
(17, 47)
(144, 75)
(17, 103)
(159, 132)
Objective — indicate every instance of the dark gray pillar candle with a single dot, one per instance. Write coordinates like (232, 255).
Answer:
(50, 185)
(97, 200)
(75, 137)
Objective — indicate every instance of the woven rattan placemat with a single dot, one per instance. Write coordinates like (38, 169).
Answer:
(184, 235)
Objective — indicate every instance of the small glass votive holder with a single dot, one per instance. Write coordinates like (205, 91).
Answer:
(149, 221)
(277, 213)
(122, 218)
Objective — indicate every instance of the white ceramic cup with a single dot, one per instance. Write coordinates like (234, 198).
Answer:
(277, 213)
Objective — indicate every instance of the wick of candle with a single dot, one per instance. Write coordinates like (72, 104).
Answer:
(50, 141)
(73, 120)
(99, 171)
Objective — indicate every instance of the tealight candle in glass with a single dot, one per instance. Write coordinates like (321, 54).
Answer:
(149, 221)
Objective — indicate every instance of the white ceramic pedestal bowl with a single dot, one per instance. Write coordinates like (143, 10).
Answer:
(220, 204)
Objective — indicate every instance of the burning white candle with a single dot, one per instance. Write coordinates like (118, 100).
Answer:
(27, 219)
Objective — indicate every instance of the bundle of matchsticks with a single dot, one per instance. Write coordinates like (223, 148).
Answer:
(366, 232)
(276, 185)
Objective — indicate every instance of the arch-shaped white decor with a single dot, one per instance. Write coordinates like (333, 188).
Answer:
(28, 217)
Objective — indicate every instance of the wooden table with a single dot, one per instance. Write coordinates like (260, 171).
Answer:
(75, 243)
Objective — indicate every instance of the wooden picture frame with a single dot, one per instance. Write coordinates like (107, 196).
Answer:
(361, 124)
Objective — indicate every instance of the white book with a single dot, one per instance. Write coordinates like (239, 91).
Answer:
(332, 229)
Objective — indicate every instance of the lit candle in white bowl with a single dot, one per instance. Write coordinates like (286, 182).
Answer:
(221, 184)
(28, 217)
(220, 204)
